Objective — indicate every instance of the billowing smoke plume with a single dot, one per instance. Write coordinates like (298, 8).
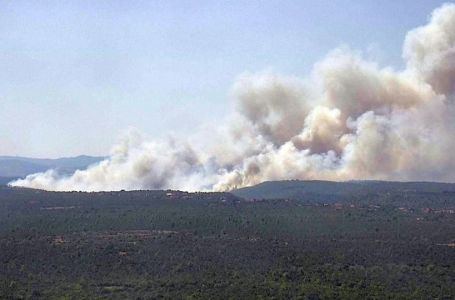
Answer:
(351, 120)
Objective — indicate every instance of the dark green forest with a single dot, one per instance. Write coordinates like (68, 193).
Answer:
(372, 243)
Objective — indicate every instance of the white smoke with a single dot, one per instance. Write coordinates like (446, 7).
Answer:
(351, 120)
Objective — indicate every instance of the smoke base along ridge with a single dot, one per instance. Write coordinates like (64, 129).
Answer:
(351, 120)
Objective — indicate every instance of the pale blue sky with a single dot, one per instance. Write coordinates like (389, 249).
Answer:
(74, 74)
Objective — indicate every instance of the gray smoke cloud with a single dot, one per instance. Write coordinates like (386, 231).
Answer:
(351, 120)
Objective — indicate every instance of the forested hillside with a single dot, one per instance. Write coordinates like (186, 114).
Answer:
(177, 245)
(330, 191)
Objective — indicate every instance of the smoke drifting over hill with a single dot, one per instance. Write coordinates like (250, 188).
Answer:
(351, 120)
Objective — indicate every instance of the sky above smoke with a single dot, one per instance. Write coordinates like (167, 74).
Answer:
(351, 119)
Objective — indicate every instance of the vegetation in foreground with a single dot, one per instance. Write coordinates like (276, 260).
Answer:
(174, 245)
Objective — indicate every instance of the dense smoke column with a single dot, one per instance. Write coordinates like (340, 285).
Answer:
(351, 120)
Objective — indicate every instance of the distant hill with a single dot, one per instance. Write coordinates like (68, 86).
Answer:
(330, 191)
(16, 166)
(5, 180)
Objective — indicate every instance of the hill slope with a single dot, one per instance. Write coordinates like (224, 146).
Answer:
(16, 166)
(178, 245)
(329, 191)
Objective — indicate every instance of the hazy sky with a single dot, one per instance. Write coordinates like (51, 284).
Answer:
(73, 75)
